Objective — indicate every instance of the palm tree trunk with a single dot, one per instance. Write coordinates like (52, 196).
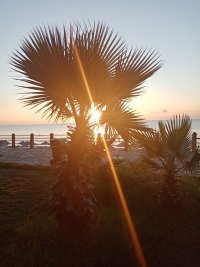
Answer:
(168, 194)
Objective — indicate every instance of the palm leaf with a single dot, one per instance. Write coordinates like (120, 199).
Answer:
(153, 164)
(121, 120)
(176, 134)
(193, 165)
(151, 143)
(61, 65)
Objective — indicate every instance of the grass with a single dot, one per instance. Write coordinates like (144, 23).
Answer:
(31, 237)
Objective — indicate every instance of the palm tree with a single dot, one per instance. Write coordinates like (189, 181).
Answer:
(65, 72)
(168, 151)
(69, 72)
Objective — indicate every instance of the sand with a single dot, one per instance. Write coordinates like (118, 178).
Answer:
(36, 156)
(43, 155)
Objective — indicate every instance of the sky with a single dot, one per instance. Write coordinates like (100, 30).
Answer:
(170, 27)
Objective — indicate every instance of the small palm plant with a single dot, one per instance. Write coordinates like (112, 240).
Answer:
(168, 151)
(68, 74)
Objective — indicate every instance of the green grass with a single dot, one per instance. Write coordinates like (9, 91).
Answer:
(30, 236)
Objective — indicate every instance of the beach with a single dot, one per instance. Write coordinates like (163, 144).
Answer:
(43, 155)
(25, 155)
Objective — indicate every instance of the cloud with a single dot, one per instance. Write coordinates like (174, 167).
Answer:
(160, 111)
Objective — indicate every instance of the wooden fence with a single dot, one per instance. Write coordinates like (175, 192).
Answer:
(195, 141)
(31, 140)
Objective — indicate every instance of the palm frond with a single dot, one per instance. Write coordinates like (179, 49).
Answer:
(171, 146)
(176, 134)
(56, 65)
(120, 119)
(193, 165)
(153, 164)
(151, 143)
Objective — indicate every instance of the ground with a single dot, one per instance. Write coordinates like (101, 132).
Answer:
(30, 236)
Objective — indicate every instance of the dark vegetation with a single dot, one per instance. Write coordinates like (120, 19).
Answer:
(168, 152)
(30, 236)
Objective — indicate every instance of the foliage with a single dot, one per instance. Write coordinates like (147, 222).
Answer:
(29, 237)
(168, 151)
(67, 71)
(33, 236)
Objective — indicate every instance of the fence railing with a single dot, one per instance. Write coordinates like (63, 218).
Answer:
(195, 141)
(32, 140)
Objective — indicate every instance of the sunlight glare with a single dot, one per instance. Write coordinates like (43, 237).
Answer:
(127, 215)
(95, 115)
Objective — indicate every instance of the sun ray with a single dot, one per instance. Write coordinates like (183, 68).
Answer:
(83, 73)
(127, 215)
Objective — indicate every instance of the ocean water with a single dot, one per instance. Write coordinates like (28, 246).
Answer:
(37, 129)
(195, 125)
(22, 133)
(61, 129)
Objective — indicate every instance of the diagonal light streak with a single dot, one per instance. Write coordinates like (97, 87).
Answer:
(83, 73)
(127, 215)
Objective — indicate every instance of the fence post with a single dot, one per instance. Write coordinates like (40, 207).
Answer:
(31, 140)
(51, 137)
(194, 141)
(13, 140)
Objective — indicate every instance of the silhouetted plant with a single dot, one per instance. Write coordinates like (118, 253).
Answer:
(169, 152)
(69, 72)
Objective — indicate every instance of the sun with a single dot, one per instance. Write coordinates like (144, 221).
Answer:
(95, 115)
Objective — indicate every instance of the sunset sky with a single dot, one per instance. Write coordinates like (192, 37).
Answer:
(170, 27)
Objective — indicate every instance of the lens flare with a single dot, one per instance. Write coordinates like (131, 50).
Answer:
(127, 215)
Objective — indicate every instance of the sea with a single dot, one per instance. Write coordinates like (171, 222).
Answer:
(60, 129)
(195, 125)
